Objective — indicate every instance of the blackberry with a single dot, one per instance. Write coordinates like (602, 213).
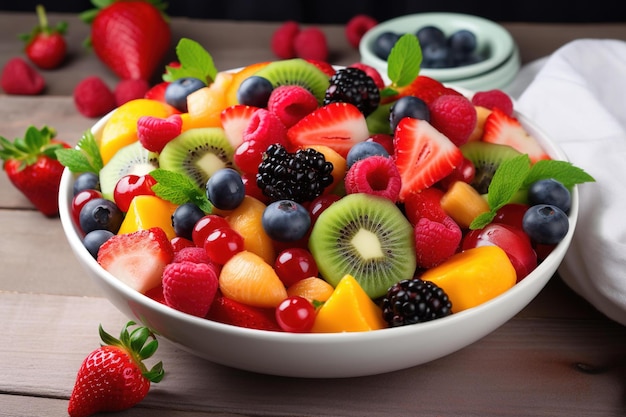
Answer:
(300, 176)
(413, 301)
(354, 86)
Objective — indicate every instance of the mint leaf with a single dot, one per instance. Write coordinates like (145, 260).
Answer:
(404, 60)
(507, 179)
(562, 171)
(84, 158)
(179, 189)
(194, 61)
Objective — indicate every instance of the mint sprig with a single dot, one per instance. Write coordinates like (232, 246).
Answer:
(518, 174)
(403, 63)
(179, 189)
(195, 61)
(85, 157)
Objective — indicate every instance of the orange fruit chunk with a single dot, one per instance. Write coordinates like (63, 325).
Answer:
(147, 211)
(473, 276)
(121, 129)
(205, 105)
(312, 288)
(248, 279)
(348, 309)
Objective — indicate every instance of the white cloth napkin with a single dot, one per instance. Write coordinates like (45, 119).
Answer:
(579, 99)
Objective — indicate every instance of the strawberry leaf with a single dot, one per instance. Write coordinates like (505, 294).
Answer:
(404, 61)
(194, 61)
(179, 189)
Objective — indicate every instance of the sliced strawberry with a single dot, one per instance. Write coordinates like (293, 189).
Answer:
(228, 311)
(507, 130)
(157, 92)
(337, 125)
(235, 119)
(426, 88)
(423, 155)
(137, 259)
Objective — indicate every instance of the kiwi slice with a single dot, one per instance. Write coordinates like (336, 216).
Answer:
(486, 158)
(297, 71)
(198, 153)
(367, 237)
(131, 159)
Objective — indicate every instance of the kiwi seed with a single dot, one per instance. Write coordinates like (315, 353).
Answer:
(297, 71)
(198, 153)
(367, 237)
(131, 159)
(486, 158)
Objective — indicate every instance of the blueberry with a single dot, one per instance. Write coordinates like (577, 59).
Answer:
(225, 189)
(463, 42)
(408, 106)
(255, 91)
(185, 218)
(177, 91)
(100, 214)
(286, 221)
(436, 56)
(384, 43)
(362, 150)
(86, 181)
(430, 35)
(550, 191)
(94, 239)
(545, 224)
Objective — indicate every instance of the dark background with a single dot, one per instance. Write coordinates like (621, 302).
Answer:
(340, 11)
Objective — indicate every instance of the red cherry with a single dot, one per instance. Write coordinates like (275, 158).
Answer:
(205, 226)
(252, 189)
(294, 264)
(80, 200)
(383, 139)
(222, 243)
(321, 203)
(511, 214)
(512, 240)
(130, 186)
(464, 172)
(179, 243)
(295, 314)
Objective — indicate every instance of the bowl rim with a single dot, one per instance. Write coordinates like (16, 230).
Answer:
(489, 35)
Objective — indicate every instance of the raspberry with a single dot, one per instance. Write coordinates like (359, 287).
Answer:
(454, 116)
(494, 99)
(414, 301)
(263, 130)
(93, 98)
(282, 42)
(426, 203)
(300, 176)
(19, 78)
(311, 43)
(375, 175)
(323, 66)
(372, 72)
(154, 132)
(193, 254)
(354, 86)
(356, 28)
(290, 103)
(436, 241)
(130, 89)
(190, 287)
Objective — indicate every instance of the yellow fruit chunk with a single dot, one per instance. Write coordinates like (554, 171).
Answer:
(121, 129)
(247, 278)
(348, 309)
(473, 276)
(205, 105)
(339, 164)
(238, 77)
(246, 220)
(463, 203)
(481, 116)
(147, 211)
(313, 289)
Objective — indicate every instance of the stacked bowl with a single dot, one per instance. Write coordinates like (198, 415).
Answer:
(499, 60)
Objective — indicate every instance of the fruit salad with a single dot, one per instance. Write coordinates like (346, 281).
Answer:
(295, 196)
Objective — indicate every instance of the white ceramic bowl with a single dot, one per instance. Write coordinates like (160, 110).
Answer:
(493, 40)
(318, 355)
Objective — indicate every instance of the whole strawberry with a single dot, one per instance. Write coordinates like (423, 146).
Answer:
(130, 37)
(46, 46)
(32, 166)
(113, 377)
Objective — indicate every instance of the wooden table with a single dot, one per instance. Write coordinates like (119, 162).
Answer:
(558, 357)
